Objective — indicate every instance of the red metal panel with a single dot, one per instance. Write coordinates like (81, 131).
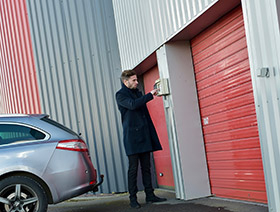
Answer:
(241, 194)
(230, 88)
(253, 153)
(222, 54)
(237, 175)
(214, 77)
(162, 158)
(239, 184)
(228, 105)
(231, 114)
(224, 64)
(228, 135)
(245, 121)
(228, 111)
(221, 26)
(234, 36)
(246, 143)
(19, 91)
(236, 164)
(225, 94)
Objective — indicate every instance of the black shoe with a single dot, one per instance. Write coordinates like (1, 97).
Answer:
(154, 199)
(135, 204)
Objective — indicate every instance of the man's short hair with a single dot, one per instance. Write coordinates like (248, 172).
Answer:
(127, 74)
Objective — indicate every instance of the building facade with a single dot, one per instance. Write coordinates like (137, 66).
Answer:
(219, 121)
(221, 60)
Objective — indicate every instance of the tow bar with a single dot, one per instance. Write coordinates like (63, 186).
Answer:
(95, 187)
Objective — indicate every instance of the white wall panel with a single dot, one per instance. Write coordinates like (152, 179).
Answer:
(183, 121)
(143, 26)
(263, 41)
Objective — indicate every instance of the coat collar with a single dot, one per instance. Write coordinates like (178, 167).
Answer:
(128, 89)
(132, 92)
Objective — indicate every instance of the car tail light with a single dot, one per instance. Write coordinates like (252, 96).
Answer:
(73, 145)
(92, 182)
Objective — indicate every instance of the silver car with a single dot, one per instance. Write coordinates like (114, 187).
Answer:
(41, 162)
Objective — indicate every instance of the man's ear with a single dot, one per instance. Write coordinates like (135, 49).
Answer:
(125, 82)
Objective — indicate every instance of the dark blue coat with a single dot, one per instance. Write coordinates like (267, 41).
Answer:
(139, 134)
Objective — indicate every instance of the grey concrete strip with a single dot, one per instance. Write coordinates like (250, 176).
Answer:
(120, 203)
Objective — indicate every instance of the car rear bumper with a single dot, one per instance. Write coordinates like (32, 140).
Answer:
(70, 174)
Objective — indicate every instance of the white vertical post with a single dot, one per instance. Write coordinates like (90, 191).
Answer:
(263, 41)
(183, 121)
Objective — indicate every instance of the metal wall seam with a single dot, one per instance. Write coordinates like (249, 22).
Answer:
(263, 41)
(156, 20)
(77, 59)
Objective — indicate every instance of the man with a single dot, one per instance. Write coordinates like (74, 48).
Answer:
(139, 135)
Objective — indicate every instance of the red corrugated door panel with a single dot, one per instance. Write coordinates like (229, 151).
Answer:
(162, 158)
(18, 83)
(228, 111)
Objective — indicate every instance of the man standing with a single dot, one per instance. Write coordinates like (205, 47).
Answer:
(139, 135)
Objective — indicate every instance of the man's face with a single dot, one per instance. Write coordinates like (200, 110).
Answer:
(132, 82)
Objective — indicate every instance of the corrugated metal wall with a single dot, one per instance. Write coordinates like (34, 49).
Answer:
(263, 41)
(150, 24)
(18, 84)
(78, 66)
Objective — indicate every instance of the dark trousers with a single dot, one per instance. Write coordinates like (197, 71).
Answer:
(145, 163)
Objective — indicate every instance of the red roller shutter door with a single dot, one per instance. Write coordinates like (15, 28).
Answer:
(162, 158)
(227, 110)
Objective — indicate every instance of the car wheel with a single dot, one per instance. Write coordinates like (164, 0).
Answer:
(22, 194)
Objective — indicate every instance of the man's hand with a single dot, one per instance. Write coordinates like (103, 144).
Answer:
(154, 92)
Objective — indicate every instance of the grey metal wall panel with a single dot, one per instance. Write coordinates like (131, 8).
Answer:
(263, 40)
(143, 26)
(190, 178)
(78, 66)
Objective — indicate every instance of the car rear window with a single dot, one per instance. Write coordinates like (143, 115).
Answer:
(11, 133)
(56, 124)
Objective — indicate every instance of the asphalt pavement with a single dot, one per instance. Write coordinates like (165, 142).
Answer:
(120, 203)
